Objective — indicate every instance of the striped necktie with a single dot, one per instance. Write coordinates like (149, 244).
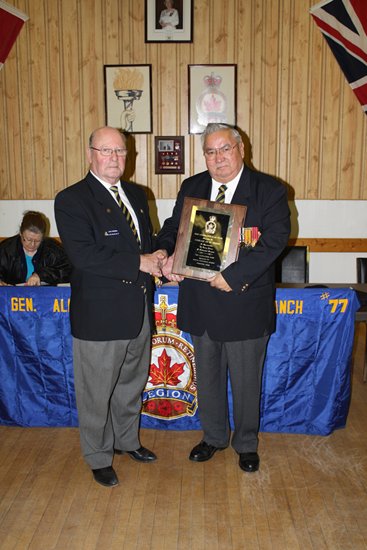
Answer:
(126, 212)
(221, 193)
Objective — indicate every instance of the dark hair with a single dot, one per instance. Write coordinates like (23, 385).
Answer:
(34, 221)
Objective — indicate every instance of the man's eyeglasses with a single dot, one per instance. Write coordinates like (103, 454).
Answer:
(107, 151)
(226, 151)
(31, 241)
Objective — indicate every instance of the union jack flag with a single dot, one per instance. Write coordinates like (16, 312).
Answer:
(344, 26)
(11, 22)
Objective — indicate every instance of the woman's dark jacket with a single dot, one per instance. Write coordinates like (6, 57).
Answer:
(50, 262)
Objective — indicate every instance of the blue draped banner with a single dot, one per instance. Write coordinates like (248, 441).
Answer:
(306, 382)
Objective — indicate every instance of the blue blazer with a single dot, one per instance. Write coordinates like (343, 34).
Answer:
(248, 311)
(107, 287)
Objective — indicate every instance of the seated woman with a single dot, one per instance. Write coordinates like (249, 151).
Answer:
(31, 257)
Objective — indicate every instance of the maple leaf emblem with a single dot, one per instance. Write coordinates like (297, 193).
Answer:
(164, 373)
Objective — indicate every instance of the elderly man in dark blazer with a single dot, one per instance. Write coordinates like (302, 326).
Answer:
(104, 225)
(232, 316)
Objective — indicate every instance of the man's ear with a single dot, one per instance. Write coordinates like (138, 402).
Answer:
(89, 154)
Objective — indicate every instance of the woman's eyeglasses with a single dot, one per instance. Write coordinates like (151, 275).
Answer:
(31, 241)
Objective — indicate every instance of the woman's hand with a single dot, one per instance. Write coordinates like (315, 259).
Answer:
(33, 280)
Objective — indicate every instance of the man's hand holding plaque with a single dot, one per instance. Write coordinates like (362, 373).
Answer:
(219, 282)
(167, 271)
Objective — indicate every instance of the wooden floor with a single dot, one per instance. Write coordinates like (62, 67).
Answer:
(310, 493)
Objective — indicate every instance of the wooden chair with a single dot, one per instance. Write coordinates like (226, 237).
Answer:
(361, 270)
(292, 265)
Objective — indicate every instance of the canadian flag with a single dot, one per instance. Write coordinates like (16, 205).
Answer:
(11, 22)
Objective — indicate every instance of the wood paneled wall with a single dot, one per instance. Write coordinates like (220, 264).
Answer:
(302, 120)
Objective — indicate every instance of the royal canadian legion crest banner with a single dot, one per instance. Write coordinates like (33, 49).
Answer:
(170, 394)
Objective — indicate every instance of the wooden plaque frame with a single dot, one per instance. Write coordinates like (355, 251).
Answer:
(190, 239)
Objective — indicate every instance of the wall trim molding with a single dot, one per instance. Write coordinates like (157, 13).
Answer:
(331, 245)
(318, 245)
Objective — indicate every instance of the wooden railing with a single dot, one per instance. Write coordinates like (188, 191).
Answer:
(331, 245)
(320, 245)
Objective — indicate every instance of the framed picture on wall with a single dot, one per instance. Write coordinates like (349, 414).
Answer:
(169, 154)
(168, 20)
(128, 97)
(212, 95)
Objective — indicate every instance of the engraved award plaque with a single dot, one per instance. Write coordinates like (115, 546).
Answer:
(208, 237)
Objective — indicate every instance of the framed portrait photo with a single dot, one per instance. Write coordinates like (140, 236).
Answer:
(212, 95)
(128, 97)
(169, 155)
(168, 20)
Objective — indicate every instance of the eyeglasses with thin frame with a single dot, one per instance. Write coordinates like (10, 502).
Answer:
(226, 151)
(31, 241)
(108, 151)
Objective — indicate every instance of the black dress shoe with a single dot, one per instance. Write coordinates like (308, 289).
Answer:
(249, 462)
(204, 451)
(141, 455)
(106, 476)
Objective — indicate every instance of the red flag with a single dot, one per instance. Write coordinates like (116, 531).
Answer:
(344, 26)
(11, 22)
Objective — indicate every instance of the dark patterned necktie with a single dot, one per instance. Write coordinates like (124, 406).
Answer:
(221, 193)
(126, 212)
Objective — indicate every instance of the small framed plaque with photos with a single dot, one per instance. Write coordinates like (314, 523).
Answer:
(169, 155)
(208, 237)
